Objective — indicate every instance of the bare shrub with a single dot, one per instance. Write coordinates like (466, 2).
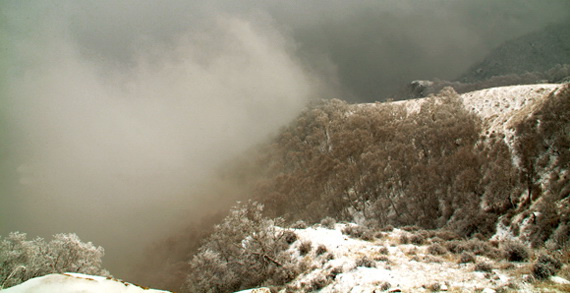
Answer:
(417, 239)
(305, 247)
(515, 251)
(368, 235)
(328, 222)
(289, 236)
(404, 239)
(383, 250)
(456, 246)
(434, 287)
(466, 257)
(411, 228)
(561, 236)
(545, 266)
(300, 224)
(318, 283)
(364, 261)
(379, 235)
(437, 249)
(385, 286)
(542, 271)
(321, 249)
(355, 231)
(485, 248)
(483, 267)
(549, 260)
(388, 228)
(382, 258)
(335, 271)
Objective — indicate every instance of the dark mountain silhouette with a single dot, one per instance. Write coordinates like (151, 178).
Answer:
(535, 52)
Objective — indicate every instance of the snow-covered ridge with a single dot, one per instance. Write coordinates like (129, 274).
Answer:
(499, 106)
(496, 106)
(75, 282)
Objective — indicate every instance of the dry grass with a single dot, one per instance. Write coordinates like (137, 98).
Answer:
(547, 286)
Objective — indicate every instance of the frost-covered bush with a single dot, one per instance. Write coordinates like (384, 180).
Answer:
(328, 222)
(22, 259)
(246, 250)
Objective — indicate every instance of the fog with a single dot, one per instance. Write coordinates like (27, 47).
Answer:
(114, 113)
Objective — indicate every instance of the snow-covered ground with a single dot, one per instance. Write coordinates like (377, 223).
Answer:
(501, 108)
(390, 266)
(74, 283)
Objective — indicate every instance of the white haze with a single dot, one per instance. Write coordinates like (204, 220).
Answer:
(116, 154)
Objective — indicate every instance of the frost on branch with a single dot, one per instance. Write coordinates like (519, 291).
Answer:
(246, 250)
(22, 259)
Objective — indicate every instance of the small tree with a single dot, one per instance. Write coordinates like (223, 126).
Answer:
(22, 259)
(245, 250)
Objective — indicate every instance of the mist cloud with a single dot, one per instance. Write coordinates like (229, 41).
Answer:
(115, 152)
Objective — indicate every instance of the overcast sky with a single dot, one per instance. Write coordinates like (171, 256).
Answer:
(113, 112)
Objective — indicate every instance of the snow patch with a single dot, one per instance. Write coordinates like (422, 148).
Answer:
(400, 266)
(75, 282)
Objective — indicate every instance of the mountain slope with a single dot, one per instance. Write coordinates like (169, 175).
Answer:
(455, 161)
(535, 52)
(489, 166)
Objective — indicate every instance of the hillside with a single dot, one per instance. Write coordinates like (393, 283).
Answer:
(535, 52)
(451, 192)
(488, 166)
(538, 57)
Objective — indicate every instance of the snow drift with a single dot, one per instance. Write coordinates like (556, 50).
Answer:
(74, 282)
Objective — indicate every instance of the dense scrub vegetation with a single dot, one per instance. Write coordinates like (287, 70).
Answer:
(543, 149)
(383, 164)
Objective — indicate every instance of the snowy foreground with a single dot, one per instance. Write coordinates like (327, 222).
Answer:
(385, 264)
(380, 264)
(74, 282)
